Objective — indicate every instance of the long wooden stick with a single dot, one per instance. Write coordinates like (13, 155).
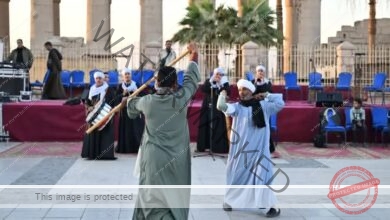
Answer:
(135, 93)
(228, 127)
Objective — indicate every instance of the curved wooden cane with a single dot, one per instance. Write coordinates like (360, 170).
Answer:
(135, 93)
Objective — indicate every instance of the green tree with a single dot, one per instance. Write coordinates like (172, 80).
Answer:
(222, 26)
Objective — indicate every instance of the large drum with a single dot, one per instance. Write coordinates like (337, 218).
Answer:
(99, 112)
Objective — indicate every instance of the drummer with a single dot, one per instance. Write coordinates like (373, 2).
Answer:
(99, 145)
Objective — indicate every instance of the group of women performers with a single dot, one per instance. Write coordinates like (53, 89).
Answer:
(99, 144)
(212, 129)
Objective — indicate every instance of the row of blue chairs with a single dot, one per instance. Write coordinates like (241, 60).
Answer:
(75, 78)
(343, 83)
(379, 117)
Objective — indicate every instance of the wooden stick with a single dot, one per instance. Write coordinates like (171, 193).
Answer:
(228, 127)
(135, 93)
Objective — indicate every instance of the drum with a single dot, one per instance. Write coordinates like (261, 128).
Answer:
(98, 113)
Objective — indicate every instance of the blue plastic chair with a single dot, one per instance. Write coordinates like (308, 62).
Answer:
(136, 77)
(315, 82)
(91, 78)
(65, 80)
(291, 81)
(344, 83)
(180, 78)
(332, 127)
(274, 126)
(113, 78)
(348, 120)
(379, 120)
(77, 79)
(40, 84)
(249, 76)
(146, 75)
(377, 86)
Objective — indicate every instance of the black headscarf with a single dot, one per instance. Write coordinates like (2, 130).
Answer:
(257, 111)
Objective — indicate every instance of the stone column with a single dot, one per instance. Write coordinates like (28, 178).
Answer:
(290, 35)
(4, 25)
(56, 17)
(151, 27)
(346, 58)
(42, 25)
(250, 55)
(308, 18)
(98, 11)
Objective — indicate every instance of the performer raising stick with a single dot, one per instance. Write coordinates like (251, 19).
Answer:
(130, 130)
(99, 144)
(166, 154)
(249, 150)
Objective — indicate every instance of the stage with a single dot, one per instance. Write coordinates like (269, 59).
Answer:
(53, 121)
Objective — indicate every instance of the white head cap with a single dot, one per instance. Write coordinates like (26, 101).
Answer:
(260, 67)
(243, 83)
(219, 70)
(98, 74)
(126, 70)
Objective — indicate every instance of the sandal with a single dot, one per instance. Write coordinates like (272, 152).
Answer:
(272, 213)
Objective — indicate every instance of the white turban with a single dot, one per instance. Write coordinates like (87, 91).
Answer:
(126, 70)
(219, 70)
(243, 83)
(260, 67)
(98, 74)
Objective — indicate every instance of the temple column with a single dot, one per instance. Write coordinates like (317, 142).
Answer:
(42, 25)
(98, 11)
(309, 22)
(290, 35)
(151, 29)
(4, 24)
(56, 17)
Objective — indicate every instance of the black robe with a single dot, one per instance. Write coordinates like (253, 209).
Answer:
(266, 87)
(99, 145)
(220, 141)
(130, 130)
(53, 88)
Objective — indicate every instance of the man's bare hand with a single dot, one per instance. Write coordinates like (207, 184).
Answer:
(124, 101)
(260, 96)
(192, 47)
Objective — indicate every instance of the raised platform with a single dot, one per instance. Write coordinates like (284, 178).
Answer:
(53, 121)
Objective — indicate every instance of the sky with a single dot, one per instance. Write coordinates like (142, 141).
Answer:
(126, 17)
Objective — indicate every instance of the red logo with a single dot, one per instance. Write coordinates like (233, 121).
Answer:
(343, 198)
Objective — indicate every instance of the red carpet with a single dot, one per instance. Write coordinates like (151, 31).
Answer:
(53, 121)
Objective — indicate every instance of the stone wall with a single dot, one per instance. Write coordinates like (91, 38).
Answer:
(358, 34)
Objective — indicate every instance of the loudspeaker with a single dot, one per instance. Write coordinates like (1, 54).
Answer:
(12, 86)
(331, 99)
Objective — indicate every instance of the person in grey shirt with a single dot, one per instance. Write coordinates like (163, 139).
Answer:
(168, 55)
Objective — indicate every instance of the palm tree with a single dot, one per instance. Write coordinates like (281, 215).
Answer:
(200, 24)
(222, 26)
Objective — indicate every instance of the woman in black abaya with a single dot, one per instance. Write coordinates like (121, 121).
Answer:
(99, 145)
(130, 130)
(212, 87)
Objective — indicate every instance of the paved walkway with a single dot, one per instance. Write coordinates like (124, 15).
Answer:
(304, 198)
